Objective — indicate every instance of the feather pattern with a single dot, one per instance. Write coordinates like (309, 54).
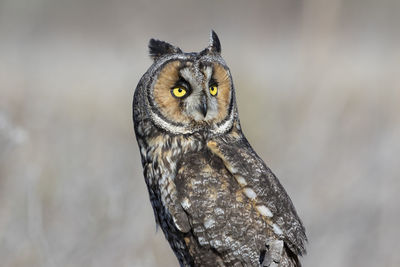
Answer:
(215, 199)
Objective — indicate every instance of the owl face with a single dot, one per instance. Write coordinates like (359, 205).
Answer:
(190, 92)
(193, 92)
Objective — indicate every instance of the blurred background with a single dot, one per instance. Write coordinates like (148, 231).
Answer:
(318, 88)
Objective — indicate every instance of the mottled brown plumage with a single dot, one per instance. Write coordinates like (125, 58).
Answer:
(216, 201)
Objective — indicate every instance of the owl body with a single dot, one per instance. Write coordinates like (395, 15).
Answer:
(216, 201)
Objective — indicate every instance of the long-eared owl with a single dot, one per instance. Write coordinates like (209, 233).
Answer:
(216, 201)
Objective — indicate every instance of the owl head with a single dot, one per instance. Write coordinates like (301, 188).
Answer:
(184, 93)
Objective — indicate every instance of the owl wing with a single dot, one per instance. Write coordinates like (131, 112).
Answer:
(224, 226)
(251, 172)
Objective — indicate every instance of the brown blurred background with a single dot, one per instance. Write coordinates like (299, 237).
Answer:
(318, 87)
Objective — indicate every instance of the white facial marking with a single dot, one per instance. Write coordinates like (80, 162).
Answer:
(189, 76)
(225, 126)
(208, 73)
(264, 211)
(212, 110)
(250, 193)
(165, 125)
(194, 77)
(212, 102)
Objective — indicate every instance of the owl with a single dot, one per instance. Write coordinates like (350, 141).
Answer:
(215, 199)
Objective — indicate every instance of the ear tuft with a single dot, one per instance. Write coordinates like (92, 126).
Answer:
(214, 45)
(159, 48)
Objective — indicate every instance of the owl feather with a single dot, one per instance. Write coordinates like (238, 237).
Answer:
(159, 48)
(215, 199)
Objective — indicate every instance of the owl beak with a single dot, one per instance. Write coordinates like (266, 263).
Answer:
(203, 105)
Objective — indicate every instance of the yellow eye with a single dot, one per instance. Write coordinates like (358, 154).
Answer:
(213, 90)
(178, 92)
